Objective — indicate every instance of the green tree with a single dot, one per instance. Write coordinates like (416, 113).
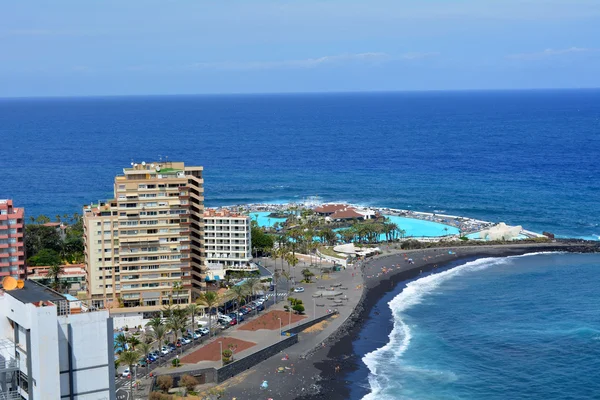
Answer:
(159, 333)
(54, 273)
(45, 257)
(133, 342)
(251, 286)
(299, 308)
(192, 310)
(177, 321)
(261, 240)
(209, 300)
(145, 349)
(307, 274)
(239, 293)
(130, 358)
(121, 342)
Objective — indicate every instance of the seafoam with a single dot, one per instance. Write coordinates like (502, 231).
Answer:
(400, 337)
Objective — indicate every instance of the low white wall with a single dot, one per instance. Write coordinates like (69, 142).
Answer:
(120, 321)
(331, 259)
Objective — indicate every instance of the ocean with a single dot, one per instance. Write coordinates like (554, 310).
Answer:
(521, 157)
(524, 327)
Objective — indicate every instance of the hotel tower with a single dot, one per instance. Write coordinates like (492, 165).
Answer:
(144, 248)
(12, 247)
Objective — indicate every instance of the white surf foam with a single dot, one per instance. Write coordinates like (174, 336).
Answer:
(400, 337)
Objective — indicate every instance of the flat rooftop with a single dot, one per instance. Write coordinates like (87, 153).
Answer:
(33, 292)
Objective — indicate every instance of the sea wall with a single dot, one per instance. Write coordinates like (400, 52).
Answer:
(250, 361)
(308, 324)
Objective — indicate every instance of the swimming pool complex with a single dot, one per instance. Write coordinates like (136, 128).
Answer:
(413, 227)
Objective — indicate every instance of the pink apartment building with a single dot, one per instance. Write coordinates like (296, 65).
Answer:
(12, 246)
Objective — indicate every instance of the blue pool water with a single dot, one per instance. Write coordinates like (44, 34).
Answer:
(523, 327)
(263, 219)
(413, 227)
(418, 228)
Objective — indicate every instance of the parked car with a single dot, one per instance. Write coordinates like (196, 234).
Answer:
(203, 331)
(151, 358)
(142, 362)
(233, 322)
(165, 350)
(260, 307)
(299, 289)
(186, 340)
(238, 316)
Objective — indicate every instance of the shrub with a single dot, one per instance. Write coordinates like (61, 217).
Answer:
(175, 362)
(299, 308)
(188, 381)
(227, 356)
(165, 382)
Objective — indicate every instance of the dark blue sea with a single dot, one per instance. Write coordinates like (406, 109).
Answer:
(520, 328)
(522, 157)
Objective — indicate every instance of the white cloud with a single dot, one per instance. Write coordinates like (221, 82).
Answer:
(367, 58)
(551, 53)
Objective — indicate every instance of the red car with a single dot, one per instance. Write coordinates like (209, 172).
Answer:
(233, 322)
(178, 344)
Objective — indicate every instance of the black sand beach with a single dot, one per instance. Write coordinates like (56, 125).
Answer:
(311, 370)
(335, 385)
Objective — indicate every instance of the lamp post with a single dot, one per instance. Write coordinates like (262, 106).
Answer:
(221, 353)
(279, 328)
(290, 321)
(314, 309)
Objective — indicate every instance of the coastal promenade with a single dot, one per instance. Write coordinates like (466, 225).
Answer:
(322, 360)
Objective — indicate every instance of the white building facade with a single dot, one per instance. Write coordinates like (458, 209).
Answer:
(52, 347)
(228, 243)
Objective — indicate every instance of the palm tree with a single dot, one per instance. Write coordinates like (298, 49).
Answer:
(209, 300)
(159, 332)
(120, 342)
(286, 276)
(54, 273)
(251, 285)
(292, 261)
(133, 341)
(239, 292)
(177, 322)
(130, 358)
(145, 349)
(307, 274)
(192, 310)
(154, 322)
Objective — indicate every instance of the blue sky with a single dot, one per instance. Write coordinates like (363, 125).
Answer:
(62, 48)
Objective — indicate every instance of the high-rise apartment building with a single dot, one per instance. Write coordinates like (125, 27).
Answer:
(53, 346)
(12, 247)
(227, 242)
(144, 248)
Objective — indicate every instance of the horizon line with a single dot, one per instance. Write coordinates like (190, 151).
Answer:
(223, 94)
